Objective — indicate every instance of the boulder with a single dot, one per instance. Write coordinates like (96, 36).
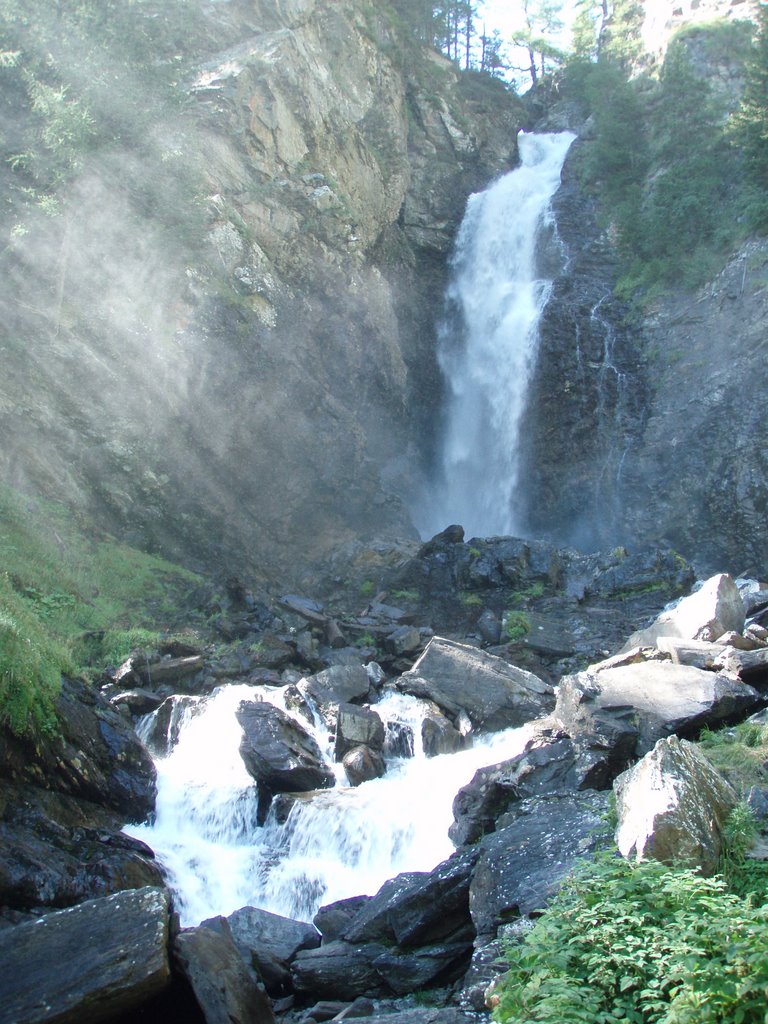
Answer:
(412, 970)
(520, 868)
(419, 908)
(268, 943)
(333, 919)
(339, 684)
(357, 726)
(363, 764)
(161, 732)
(750, 666)
(654, 698)
(697, 653)
(493, 693)
(403, 640)
(137, 701)
(278, 752)
(713, 610)
(671, 807)
(438, 736)
(223, 987)
(339, 970)
(87, 964)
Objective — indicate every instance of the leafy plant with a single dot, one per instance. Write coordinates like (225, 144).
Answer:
(641, 943)
(517, 626)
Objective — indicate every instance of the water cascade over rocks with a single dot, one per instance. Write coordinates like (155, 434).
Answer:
(487, 344)
(335, 843)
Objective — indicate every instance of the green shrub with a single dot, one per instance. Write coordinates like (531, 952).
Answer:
(517, 626)
(640, 943)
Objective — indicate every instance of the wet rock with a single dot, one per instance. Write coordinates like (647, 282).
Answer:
(751, 666)
(224, 989)
(96, 756)
(363, 764)
(520, 868)
(87, 964)
(419, 908)
(339, 684)
(167, 671)
(713, 610)
(340, 970)
(493, 693)
(356, 726)
(450, 535)
(438, 736)
(278, 752)
(161, 734)
(137, 702)
(333, 919)
(655, 698)
(671, 807)
(414, 970)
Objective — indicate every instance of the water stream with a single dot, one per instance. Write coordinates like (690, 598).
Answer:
(334, 844)
(487, 343)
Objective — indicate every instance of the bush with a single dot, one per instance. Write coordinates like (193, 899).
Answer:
(640, 944)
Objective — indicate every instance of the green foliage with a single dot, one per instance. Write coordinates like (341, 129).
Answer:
(750, 124)
(470, 600)
(367, 588)
(643, 944)
(740, 754)
(517, 626)
(69, 601)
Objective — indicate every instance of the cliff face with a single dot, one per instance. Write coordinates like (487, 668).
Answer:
(236, 380)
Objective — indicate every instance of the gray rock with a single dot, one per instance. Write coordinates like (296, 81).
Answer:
(278, 752)
(438, 736)
(340, 970)
(413, 970)
(333, 919)
(520, 868)
(713, 610)
(363, 764)
(224, 989)
(87, 964)
(339, 684)
(161, 732)
(671, 807)
(356, 726)
(494, 694)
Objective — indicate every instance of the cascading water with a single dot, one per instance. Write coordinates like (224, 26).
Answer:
(334, 844)
(487, 342)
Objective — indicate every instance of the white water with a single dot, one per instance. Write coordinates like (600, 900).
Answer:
(338, 843)
(487, 344)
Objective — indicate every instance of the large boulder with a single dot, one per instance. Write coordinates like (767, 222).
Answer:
(714, 609)
(357, 726)
(339, 684)
(340, 970)
(362, 764)
(520, 867)
(268, 943)
(87, 964)
(653, 698)
(278, 752)
(671, 807)
(494, 694)
(224, 988)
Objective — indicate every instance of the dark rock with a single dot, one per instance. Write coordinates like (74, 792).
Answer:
(403, 640)
(363, 764)
(225, 990)
(339, 970)
(751, 666)
(427, 1015)
(308, 609)
(414, 970)
(757, 799)
(356, 726)
(137, 702)
(327, 1009)
(161, 733)
(278, 752)
(56, 850)
(96, 755)
(339, 684)
(269, 942)
(167, 670)
(671, 806)
(520, 868)
(450, 535)
(87, 964)
(333, 919)
(494, 694)
(489, 627)
(419, 908)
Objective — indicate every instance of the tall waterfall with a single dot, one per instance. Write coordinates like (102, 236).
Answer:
(487, 343)
(334, 844)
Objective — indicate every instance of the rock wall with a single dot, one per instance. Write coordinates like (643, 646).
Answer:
(223, 349)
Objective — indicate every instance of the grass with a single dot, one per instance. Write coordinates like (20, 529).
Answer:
(69, 602)
(740, 754)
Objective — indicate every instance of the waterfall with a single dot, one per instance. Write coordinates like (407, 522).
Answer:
(334, 844)
(487, 343)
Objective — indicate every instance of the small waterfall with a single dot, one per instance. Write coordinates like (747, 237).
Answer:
(334, 844)
(487, 342)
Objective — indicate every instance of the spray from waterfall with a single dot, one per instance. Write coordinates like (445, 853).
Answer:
(487, 343)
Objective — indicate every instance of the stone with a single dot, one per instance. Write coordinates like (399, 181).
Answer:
(339, 970)
(357, 726)
(87, 964)
(333, 919)
(438, 736)
(339, 684)
(223, 987)
(407, 971)
(493, 693)
(714, 609)
(697, 653)
(403, 640)
(138, 701)
(161, 733)
(654, 698)
(167, 670)
(671, 806)
(363, 764)
(278, 752)
(520, 868)
(751, 666)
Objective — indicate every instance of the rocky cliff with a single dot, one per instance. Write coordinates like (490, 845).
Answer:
(220, 344)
